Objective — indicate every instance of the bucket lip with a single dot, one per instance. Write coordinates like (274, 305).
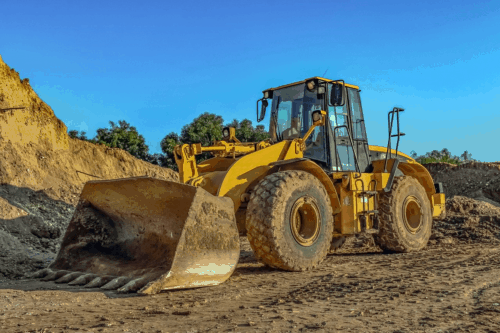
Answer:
(130, 178)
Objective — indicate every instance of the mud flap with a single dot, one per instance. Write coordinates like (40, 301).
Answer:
(147, 235)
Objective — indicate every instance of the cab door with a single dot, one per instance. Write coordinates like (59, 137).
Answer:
(358, 130)
(341, 149)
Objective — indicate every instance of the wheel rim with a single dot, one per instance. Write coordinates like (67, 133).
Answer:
(412, 214)
(305, 221)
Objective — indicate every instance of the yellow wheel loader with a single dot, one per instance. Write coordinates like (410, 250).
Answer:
(296, 196)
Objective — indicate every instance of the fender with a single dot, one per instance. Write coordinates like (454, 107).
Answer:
(248, 170)
(380, 149)
(412, 169)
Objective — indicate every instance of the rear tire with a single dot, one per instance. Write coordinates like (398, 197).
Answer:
(405, 219)
(289, 221)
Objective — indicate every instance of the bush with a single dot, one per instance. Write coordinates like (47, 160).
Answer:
(125, 137)
(443, 156)
(78, 135)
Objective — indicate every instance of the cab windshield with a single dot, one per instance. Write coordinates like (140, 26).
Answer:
(292, 109)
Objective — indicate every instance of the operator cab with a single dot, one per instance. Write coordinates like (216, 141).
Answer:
(342, 144)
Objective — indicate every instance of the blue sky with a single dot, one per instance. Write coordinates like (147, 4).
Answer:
(159, 64)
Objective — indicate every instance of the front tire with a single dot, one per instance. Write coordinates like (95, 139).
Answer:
(289, 221)
(405, 219)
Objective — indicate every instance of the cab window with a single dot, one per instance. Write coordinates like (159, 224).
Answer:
(338, 117)
(358, 123)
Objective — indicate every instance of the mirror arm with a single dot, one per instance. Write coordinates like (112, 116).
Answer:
(311, 129)
(320, 122)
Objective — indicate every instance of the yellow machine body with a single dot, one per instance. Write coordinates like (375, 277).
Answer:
(147, 235)
(235, 177)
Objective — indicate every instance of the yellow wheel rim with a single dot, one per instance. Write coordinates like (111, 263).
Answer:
(412, 214)
(305, 221)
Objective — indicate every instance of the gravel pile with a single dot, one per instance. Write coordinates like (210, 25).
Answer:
(31, 230)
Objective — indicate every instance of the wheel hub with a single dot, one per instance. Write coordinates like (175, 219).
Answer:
(412, 214)
(305, 221)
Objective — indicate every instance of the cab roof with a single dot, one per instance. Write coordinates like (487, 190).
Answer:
(311, 78)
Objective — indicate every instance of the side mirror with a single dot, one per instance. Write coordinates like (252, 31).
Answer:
(337, 95)
(262, 114)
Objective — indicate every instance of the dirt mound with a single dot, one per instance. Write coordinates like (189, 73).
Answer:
(35, 123)
(42, 172)
(475, 180)
(62, 173)
(467, 221)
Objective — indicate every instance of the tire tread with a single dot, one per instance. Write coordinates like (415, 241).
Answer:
(263, 218)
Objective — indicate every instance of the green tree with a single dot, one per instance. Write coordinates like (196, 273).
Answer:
(73, 134)
(78, 135)
(466, 156)
(245, 132)
(168, 144)
(158, 159)
(205, 129)
(260, 134)
(445, 152)
(125, 137)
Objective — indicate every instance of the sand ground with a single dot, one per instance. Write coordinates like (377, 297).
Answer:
(445, 288)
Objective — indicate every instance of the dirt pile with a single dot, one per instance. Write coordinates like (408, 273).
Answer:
(472, 201)
(42, 172)
(475, 180)
(467, 221)
(62, 173)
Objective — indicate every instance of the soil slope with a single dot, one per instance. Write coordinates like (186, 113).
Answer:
(42, 172)
(36, 123)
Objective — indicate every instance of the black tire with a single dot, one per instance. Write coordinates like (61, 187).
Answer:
(275, 240)
(405, 220)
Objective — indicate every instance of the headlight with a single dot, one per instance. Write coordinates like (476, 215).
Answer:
(311, 85)
(225, 132)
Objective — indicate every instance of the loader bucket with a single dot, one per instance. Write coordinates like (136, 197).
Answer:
(146, 235)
